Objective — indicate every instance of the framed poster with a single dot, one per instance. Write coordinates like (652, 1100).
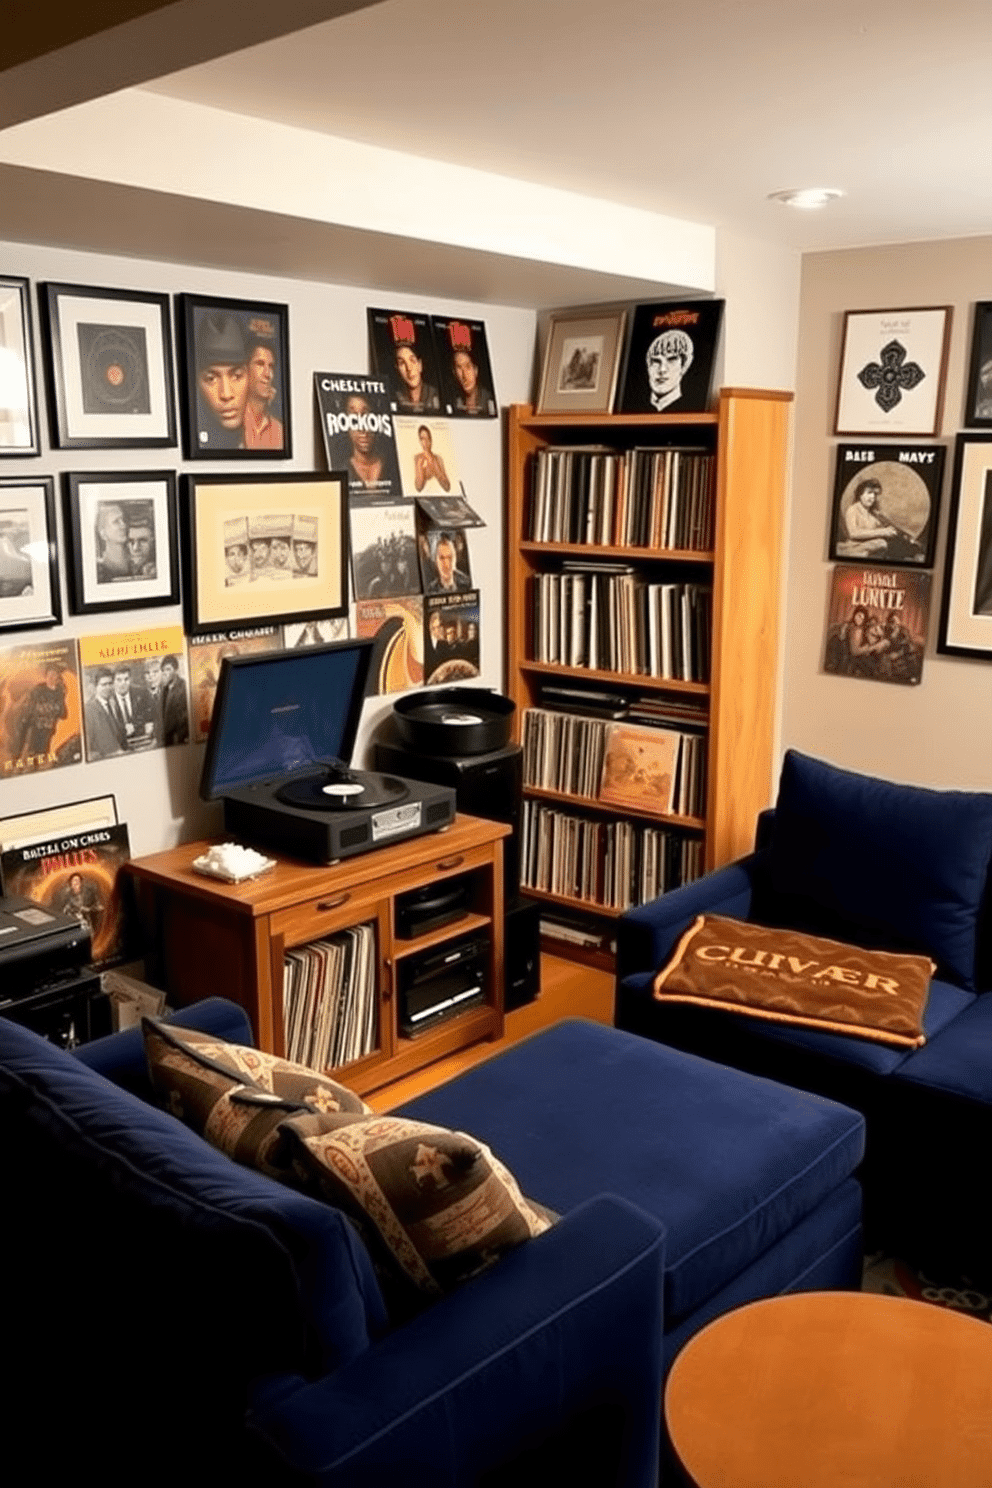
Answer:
(29, 576)
(18, 402)
(892, 369)
(123, 540)
(235, 378)
(581, 363)
(109, 367)
(966, 605)
(886, 500)
(263, 549)
(671, 356)
(978, 398)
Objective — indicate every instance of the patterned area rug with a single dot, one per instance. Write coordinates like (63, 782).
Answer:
(895, 1278)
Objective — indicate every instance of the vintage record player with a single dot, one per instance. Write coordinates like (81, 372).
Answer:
(278, 756)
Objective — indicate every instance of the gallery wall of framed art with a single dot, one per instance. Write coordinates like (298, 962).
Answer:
(99, 447)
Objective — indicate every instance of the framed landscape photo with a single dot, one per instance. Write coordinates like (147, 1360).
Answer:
(18, 400)
(966, 605)
(263, 549)
(581, 363)
(29, 576)
(234, 360)
(978, 398)
(109, 361)
(886, 501)
(671, 356)
(123, 539)
(892, 369)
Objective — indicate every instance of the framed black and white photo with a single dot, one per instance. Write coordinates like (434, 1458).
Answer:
(581, 363)
(966, 605)
(29, 576)
(234, 358)
(109, 360)
(671, 357)
(269, 549)
(18, 400)
(886, 501)
(978, 398)
(123, 537)
(893, 365)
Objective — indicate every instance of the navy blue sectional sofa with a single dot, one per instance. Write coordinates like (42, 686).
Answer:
(185, 1318)
(874, 864)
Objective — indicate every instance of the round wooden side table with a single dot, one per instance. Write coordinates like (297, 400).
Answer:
(835, 1390)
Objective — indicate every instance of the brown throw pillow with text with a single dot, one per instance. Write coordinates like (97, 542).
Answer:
(786, 976)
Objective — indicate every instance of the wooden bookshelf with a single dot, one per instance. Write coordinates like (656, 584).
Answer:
(748, 433)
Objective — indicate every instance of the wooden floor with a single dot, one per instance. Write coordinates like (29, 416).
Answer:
(567, 991)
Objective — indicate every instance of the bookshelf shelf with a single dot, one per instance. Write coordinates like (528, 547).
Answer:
(590, 803)
(630, 553)
(625, 679)
(573, 476)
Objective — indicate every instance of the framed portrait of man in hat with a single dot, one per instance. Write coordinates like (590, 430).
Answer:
(267, 548)
(234, 356)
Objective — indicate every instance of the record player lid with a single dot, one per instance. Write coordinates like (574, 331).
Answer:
(281, 711)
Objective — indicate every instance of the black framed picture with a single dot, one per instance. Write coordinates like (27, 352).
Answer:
(123, 537)
(466, 373)
(18, 400)
(978, 398)
(235, 374)
(886, 502)
(402, 351)
(29, 576)
(263, 549)
(966, 604)
(109, 362)
(671, 356)
(893, 364)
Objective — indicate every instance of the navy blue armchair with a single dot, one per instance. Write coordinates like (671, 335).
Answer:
(875, 864)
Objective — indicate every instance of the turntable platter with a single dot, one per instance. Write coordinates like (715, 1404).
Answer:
(335, 790)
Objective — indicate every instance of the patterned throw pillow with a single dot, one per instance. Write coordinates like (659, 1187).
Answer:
(434, 1206)
(236, 1096)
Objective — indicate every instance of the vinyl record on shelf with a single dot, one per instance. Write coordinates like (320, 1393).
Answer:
(113, 364)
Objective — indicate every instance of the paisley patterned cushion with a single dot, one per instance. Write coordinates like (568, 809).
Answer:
(434, 1206)
(236, 1096)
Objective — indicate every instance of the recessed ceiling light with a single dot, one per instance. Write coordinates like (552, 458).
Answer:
(808, 198)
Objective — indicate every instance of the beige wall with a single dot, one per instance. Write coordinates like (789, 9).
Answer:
(940, 733)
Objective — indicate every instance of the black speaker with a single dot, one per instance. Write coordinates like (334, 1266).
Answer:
(522, 952)
(486, 785)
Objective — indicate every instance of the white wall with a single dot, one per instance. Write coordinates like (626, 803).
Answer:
(157, 792)
(938, 733)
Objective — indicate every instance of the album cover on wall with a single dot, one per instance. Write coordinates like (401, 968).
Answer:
(886, 501)
(40, 708)
(451, 643)
(401, 348)
(397, 626)
(877, 623)
(467, 389)
(356, 422)
(384, 549)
